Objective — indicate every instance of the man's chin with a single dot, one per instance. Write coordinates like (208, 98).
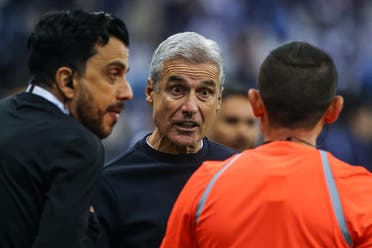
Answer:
(102, 133)
(241, 147)
(186, 141)
(106, 133)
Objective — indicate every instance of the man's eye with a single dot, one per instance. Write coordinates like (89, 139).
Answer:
(251, 122)
(205, 93)
(176, 90)
(113, 74)
(231, 120)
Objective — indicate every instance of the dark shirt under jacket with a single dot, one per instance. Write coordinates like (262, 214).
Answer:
(139, 189)
(49, 166)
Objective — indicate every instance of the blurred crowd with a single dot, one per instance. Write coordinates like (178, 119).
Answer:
(246, 31)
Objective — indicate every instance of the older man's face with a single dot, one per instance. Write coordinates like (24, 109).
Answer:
(185, 101)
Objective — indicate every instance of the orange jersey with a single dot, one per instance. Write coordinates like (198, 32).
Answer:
(277, 195)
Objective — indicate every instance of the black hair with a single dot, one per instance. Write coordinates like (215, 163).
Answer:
(297, 82)
(68, 38)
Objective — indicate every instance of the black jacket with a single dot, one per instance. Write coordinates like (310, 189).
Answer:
(49, 166)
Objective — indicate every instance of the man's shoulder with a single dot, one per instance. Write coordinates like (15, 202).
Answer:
(140, 157)
(66, 129)
(352, 180)
(133, 155)
(218, 151)
(66, 135)
(30, 117)
(343, 168)
(9, 103)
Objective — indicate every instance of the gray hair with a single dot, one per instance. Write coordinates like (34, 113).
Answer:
(188, 46)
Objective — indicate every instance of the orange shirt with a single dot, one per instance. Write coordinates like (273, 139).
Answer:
(273, 196)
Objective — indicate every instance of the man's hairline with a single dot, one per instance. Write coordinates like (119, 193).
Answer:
(156, 82)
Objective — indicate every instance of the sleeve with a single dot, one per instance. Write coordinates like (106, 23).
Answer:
(359, 202)
(181, 227)
(107, 211)
(354, 185)
(72, 180)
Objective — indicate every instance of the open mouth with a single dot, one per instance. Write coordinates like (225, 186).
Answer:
(187, 124)
(115, 116)
(115, 110)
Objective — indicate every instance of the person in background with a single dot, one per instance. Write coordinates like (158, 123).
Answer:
(139, 187)
(235, 125)
(286, 192)
(50, 148)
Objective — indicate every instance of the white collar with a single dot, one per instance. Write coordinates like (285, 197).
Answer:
(37, 90)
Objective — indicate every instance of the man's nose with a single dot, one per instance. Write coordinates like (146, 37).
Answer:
(190, 106)
(125, 91)
(243, 129)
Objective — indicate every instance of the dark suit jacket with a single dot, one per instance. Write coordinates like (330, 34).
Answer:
(49, 166)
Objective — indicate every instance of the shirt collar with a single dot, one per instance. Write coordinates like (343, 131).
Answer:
(148, 143)
(37, 90)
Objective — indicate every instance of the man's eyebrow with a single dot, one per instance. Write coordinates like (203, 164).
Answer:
(210, 83)
(119, 64)
(181, 80)
(176, 79)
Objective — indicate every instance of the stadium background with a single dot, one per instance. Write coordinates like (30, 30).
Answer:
(246, 31)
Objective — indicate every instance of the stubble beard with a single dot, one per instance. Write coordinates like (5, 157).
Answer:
(90, 117)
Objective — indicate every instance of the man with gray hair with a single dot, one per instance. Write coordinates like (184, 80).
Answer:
(139, 188)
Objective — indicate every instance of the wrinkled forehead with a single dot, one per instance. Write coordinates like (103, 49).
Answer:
(191, 70)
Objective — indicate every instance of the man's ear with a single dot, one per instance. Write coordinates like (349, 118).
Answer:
(257, 104)
(334, 110)
(149, 90)
(219, 100)
(65, 83)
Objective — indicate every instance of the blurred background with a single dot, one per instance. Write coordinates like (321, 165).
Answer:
(246, 30)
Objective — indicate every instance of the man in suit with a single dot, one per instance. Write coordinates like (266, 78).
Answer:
(139, 188)
(50, 153)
